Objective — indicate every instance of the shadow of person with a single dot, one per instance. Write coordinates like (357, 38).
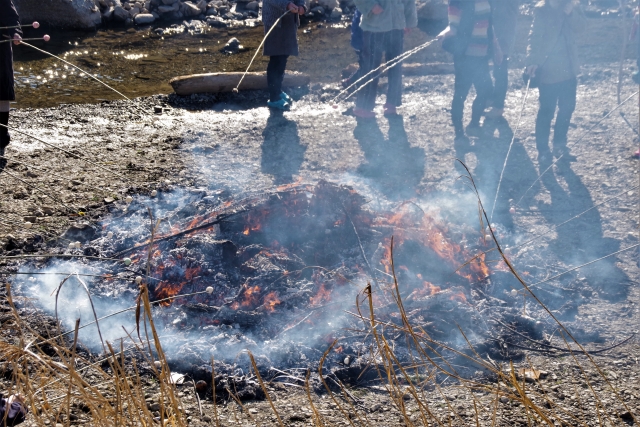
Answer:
(282, 152)
(490, 153)
(582, 239)
(394, 167)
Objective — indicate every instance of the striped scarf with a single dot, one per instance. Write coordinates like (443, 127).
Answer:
(479, 41)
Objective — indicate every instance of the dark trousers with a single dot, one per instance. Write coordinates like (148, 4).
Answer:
(4, 132)
(374, 45)
(501, 85)
(470, 71)
(275, 75)
(562, 95)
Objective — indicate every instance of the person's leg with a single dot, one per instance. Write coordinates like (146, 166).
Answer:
(372, 57)
(394, 43)
(548, 100)
(566, 107)
(4, 132)
(275, 75)
(282, 67)
(4, 121)
(484, 89)
(501, 86)
(462, 85)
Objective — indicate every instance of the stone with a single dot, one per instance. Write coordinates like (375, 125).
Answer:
(222, 10)
(253, 6)
(78, 14)
(166, 9)
(134, 11)
(202, 5)
(317, 11)
(232, 46)
(108, 14)
(336, 13)
(328, 4)
(169, 1)
(80, 232)
(212, 11)
(216, 22)
(144, 19)
(120, 14)
(190, 9)
(31, 219)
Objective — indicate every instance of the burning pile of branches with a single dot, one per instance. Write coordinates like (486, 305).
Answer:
(279, 273)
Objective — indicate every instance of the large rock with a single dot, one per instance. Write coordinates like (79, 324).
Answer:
(144, 18)
(190, 9)
(80, 14)
(121, 14)
(328, 4)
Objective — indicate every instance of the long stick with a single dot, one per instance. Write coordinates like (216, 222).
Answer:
(235, 89)
(35, 24)
(515, 132)
(587, 132)
(391, 63)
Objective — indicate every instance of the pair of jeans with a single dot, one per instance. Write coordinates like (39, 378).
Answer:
(470, 71)
(275, 75)
(374, 45)
(563, 96)
(501, 85)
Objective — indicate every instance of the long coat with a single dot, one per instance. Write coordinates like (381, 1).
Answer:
(553, 45)
(396, 15)
(283, 40)
(8, 18)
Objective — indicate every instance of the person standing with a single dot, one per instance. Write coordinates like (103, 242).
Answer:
(552, 60)
(470, 38)
(383, 24)
(505, 19)
(281, 43)
(8, 18)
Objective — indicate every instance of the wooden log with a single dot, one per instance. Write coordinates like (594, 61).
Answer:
(226, 82)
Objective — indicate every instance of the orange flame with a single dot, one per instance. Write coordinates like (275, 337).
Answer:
(323, 295)
(270, 301)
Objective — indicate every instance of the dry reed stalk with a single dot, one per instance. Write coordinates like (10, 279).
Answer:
(264, 389)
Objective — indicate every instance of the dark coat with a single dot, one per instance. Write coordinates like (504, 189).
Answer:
(8, 18)
(283, 40)
(553, 43)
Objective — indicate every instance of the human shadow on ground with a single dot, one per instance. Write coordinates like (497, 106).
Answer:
(490, 152)
(581, 240)
(394, 167)
(282, 152)
(563, 196)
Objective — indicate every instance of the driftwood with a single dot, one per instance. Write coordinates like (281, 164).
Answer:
(226, 82)
(412, 69)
